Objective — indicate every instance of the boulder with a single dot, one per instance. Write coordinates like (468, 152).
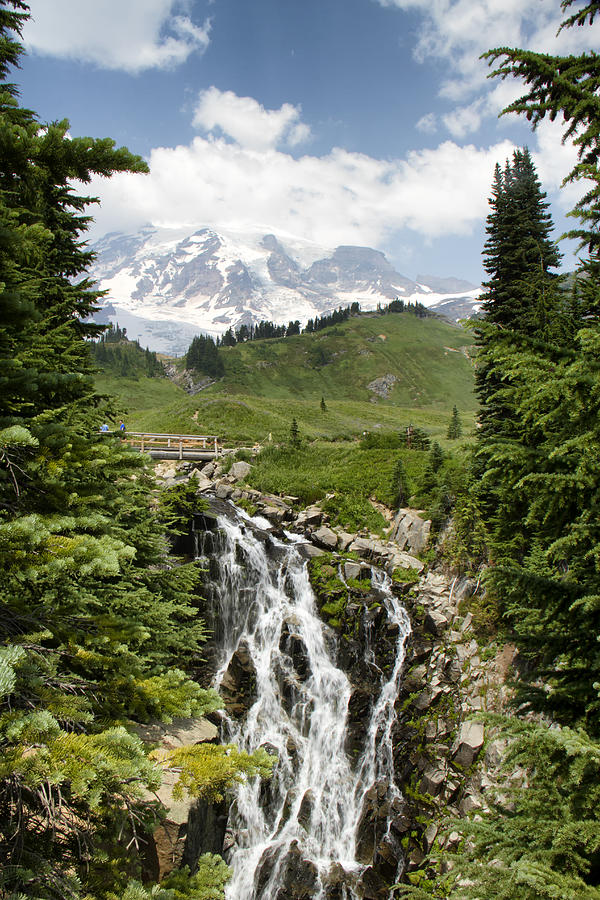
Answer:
(404, 561)
(306, 808)
(238, 685)
(309, 551)
(312, 515)
(345, 540)
(178, 733)
(297, 877)
(181, 836)
(430, 836)
(363, 547)
(273, 513)
(325, 537)
(240, 470)
(468, 743)
(223, 490)
(411, 531)
(435, 622)
(432, 781)
(204, 483)
(352, 570)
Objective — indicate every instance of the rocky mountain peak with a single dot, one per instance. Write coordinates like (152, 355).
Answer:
(165, 285)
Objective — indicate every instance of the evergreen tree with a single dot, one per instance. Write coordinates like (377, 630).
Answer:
(566, 86)
(455, 425)
(436, 456)
(400, 489)
(96, 624)
(323, 405)
(518, 244)
(294, 434)
(538, 436)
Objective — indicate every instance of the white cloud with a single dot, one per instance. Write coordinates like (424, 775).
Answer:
(340, 197)
(132, 35)
(459, 31)
(249, 123)
(464, 120)
(427, 123)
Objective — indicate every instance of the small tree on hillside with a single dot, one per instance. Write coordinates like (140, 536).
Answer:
(323, 405)
(400, 486)
(455, 425)
(294, 434)
(436, 456)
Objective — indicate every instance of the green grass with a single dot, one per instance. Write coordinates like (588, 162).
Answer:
(353, 475)
(426, 356)
(267, 383)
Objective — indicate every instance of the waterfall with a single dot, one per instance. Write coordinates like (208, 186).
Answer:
(300, 827)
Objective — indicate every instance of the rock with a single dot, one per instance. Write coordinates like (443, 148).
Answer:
(223, 490)
(239, 681)
(405, 561)
(312, 515)
(345, 540)
(494, 752)
(430, 836)
(178, 733)
(273, 513)
(297, 877)
(468, 743)
(411, 531)
(292, 643)
(306, 808)
(204, 483)
(432, 781)
(383, 385)
(415, 678)
(240, 470)
(190, 827)
(309, 551)
(373, 886)
(363, 547)
(468, 804)
(435, 622)
(325, 537)
(352, 570)
(465, 587)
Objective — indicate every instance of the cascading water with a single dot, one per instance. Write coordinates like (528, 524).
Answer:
(301, 827)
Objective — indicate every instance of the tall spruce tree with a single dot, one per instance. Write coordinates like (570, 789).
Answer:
(519, 256)
(539, 443)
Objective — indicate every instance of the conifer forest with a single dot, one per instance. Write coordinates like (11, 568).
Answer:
(106, 620)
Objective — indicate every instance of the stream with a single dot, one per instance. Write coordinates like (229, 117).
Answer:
(297, 835)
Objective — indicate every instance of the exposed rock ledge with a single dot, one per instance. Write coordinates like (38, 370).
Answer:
(190, 826)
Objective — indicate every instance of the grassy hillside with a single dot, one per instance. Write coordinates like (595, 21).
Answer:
(426, 356)
(267, 383)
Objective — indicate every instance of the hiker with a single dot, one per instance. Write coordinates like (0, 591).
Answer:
(104, 427)
(122, 426)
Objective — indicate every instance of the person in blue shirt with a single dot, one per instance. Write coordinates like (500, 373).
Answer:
(122, 426)
(104, 427)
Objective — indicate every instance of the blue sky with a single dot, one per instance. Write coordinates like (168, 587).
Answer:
(344, 121)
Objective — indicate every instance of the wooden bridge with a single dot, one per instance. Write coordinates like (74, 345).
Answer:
(173, 446)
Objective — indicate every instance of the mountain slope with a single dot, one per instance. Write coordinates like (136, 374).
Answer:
(396, 359)
(374, 371)
(165, 285)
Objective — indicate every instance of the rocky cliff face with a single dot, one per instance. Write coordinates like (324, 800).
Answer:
(166, 284)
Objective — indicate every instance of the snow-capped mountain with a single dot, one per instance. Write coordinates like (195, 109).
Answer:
(166, 285)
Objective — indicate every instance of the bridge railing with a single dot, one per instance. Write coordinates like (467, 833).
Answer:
(146, 442)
